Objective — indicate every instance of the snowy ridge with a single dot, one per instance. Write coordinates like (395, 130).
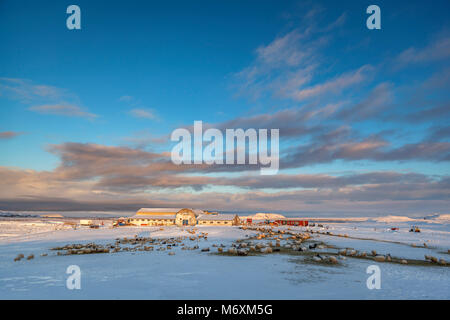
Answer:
(263, 216)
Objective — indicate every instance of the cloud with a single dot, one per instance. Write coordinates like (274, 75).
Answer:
(437, 112)
(45, 99)
(335, 85)
(289, 67)
(286, 63)
(378, 100)
(28, 92)
(322, 181)
(63, 110)
(358, 193)
(9, 134)
(126, 98)
(439, 133)
(138, 109)
(437, 50)
(143, 114)
(372, 148)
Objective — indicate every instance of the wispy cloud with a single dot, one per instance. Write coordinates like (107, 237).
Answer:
(287, 65)
(26, 91)
(335, 85)
(143, 114)
(9, 134)
(377, 101)
(126, 98)
(138, 108)
(63, 110)
(44, 99)
(437, 50)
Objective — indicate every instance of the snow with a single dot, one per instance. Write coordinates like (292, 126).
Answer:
(192, 274)
(264, 216)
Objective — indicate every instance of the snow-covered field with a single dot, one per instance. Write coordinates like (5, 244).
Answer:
(192, 274)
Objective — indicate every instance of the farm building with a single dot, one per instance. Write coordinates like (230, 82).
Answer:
(219, 219)
(152, 220)
(85, 222)
(154, 217)
(180, 217)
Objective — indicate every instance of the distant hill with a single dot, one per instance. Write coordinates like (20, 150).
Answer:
(264, 216)
(4, 214)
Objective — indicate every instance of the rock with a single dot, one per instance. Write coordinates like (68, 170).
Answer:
(434, 259)
(427, 257)
(333, 260)
(171, 253)
(442, 262)
(31, 256)
(374, 253)
(317, 259)
(379, 258)
(266, 250)
(343, 252)
(242, 252)
(232, 251)
(219, 250)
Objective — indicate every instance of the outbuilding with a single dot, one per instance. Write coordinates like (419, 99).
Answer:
(219, 219)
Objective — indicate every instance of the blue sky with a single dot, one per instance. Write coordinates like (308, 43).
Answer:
(139, 69)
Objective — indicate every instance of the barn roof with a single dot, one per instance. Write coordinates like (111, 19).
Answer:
(158, 210)
(216, 217)
(154, 217)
